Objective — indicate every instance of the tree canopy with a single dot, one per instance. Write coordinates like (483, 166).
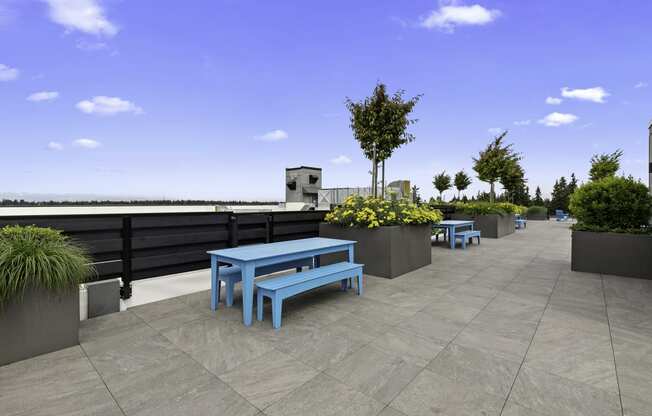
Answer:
(605, 165)
(461, 181)
(497, 161)
(383, 120)
(442, 182)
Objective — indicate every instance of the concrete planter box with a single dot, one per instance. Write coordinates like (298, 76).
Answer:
(41, 322)
(619, 254)
(537, 217)
(385, 251)
(490, 225)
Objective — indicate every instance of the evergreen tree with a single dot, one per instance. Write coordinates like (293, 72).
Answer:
(560, 196)
(538, 200)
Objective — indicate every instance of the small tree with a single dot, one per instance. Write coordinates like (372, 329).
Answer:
(379, 124)
(416, 198)
(442, 182)
(461, 181)
(495, 162)
(537, 200)
(605, 165)
(560, 196)
(513, 181)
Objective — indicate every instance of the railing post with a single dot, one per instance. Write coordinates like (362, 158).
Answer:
(269, 228)
(125, 290)
(233, 230)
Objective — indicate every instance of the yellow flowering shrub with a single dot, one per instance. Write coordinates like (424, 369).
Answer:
(375, 212)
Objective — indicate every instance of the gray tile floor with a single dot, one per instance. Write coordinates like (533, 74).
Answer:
(501, 328)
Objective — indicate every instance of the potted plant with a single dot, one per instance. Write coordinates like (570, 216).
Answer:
(612, 234)
(494, 220)
(40, 273)
(393, 236)
(537, 213)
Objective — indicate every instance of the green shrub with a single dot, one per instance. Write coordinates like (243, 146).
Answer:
(537, 210)
(486, 208)
(33, 257)
(612, 204)
(375, 212)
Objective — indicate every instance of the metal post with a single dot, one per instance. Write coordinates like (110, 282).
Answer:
(233, 231)
(125, 290)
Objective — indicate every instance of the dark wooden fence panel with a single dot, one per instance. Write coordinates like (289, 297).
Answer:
(138, 246)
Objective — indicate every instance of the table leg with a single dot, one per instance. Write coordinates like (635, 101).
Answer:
(451, 236)
(214, 283)
(247, 292)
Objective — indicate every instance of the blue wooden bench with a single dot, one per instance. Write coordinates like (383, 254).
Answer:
(231, 275)
(520, 222)
(561, 215)
(280, 288)
(467, 236)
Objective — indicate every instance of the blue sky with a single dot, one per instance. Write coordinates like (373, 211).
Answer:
(213, 99)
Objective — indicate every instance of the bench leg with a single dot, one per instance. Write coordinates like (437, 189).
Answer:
(478, 240)
(259, 305)
(299, 269)
(360, 283)
(215, 284)
(277, 310)
(344, 284)
(229, 292)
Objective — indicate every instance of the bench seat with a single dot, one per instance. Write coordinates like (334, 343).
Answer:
(280, 288)
(231, 275)
(467, 236)
(520, 223)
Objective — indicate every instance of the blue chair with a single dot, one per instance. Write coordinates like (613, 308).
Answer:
(561, 215)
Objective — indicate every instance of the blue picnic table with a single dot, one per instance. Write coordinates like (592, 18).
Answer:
(248, 258)
(450, 225)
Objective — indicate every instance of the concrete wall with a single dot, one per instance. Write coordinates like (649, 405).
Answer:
(303, 190)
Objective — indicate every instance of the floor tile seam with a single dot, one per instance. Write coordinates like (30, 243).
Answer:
(613, 351)
(518, 372)
(189, 356)
(103, 382)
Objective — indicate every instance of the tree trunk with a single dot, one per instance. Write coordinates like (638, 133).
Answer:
(374, 173)
(382, 181)
(492, 195)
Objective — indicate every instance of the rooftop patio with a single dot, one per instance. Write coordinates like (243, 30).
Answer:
(501, 328)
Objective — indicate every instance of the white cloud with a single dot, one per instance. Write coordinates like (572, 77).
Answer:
(90, 46)
(273, 136)
(84, 15)
(55, 146)
(495, 130)
(43, 96)
(553, 100)
(87, 143)
(595, 94)
(558, 119)
(8, 73)
(522, 122)
(341, 160)
(108, 106)
(451, 14)
(641, 84)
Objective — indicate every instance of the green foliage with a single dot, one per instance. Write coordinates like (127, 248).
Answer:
(537, 200)
(33, 257)
(486, 208)
(461, 182)
(416, 198)
(382, 120)
(561, 193)
(605, 165)
(537, 210)
(498, 161)
(442, 182)
(375, 212)
(612, 204)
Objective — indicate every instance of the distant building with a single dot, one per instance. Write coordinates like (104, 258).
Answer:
(302, 184)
